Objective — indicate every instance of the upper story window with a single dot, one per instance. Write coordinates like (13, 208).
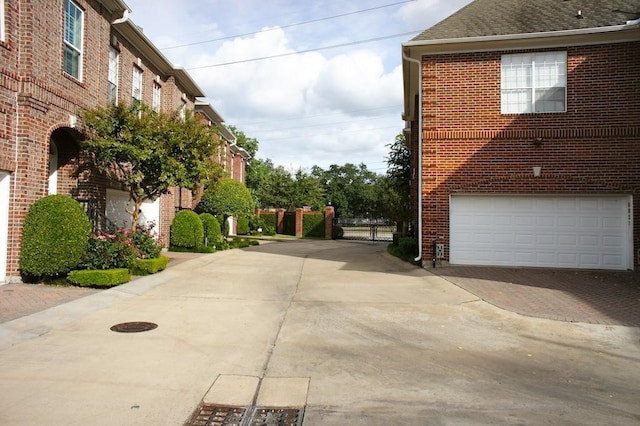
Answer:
(157, 92)
(73, 28)
(112, 84)
(534, 83)
(136, 87)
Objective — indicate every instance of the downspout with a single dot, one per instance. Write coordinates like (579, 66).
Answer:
(419, 225)
(124, 18)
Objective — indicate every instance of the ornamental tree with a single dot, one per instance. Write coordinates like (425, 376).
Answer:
(150, 152)
(227, 198)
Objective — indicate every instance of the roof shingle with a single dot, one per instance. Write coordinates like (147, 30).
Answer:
(503, 17)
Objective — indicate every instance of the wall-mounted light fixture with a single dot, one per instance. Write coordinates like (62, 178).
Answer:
(536, 171)
(537, 141)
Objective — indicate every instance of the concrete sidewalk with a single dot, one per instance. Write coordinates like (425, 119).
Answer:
(355, 335)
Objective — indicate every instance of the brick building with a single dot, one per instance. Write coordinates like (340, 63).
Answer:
(56, 58)
(523, 121)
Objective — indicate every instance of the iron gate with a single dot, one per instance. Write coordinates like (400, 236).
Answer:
(364, 229)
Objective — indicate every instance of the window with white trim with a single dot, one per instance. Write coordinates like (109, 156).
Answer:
(2, 24)
(157, 92)
(136, 86)
(534, 83)
(73, 33)
(112, 83)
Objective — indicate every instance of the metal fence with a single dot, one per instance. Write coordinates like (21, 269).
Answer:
(364, 229)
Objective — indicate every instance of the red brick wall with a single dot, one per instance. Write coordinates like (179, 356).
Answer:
(470, 147)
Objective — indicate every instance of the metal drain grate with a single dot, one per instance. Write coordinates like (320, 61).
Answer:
(276, 417)
(211, 415)
(216, 415)
(133, 327)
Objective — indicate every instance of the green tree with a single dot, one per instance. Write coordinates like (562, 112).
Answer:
(350, 189)
(227, 198)
(150, 152)
(248, 144)
(397, 182)
(306, 191)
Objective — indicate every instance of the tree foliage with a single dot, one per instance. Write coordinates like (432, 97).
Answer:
(396, 185)
(149, 152)
(350, 189)
(276, 187)
(226, 198)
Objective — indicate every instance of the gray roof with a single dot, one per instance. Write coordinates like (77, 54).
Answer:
(503, 17)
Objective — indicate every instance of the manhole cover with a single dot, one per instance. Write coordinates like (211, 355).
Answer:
(133, 327)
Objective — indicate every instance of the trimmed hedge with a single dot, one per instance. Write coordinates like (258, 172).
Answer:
(243, 226)
(266, 222)
(212, 230)
(55, 236)
(149, 266)
(313, 225)
(289, 223)
(99, 277)
(187, 230)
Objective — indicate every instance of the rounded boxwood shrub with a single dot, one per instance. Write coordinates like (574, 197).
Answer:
(242, 226)
(187, 230)
(55, 236)
(212, 231)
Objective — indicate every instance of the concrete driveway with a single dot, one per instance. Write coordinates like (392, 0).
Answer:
(341, 328)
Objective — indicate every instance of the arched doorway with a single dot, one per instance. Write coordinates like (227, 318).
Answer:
(63, 161)
(53, 167)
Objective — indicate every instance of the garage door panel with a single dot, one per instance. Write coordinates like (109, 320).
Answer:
(523, 220)
(553, 231)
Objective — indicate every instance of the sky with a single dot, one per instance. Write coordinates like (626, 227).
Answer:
(315, 82)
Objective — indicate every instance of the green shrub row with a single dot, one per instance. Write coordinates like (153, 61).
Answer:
(289, 223)
(313, 225)
(406, 249)
(265, 224)
(149, 266)
(99, 277)
(243, 226)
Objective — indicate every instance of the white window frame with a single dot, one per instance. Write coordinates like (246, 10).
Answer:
(533, 83)
(73, 40)
(136, 84)
(157, 96)
(2, 22)
(112, 77)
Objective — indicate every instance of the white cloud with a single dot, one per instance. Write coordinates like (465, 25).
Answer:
(321, 107)
(355, 81)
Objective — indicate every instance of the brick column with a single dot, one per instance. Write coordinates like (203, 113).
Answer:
(299, 214)
(329, 214)
(280, 221)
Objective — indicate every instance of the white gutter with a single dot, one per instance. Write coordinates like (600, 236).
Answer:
(524, 36)
(417, 112)
(635, 22)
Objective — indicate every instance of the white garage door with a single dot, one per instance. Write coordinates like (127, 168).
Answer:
(547, 231)
(118, 203)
